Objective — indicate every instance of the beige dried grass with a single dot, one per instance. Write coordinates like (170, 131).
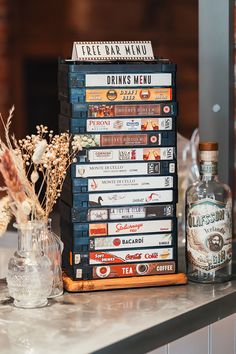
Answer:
(5, 214)
(14, 186)
(23, 161)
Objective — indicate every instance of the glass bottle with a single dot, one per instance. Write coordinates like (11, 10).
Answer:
(29, 276)
(52, 246)
(208, 222)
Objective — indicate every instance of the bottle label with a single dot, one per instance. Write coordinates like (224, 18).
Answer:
(209, 235)
(208, 168)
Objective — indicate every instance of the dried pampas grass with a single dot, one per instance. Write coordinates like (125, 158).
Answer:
(5, 214)
(34, 170)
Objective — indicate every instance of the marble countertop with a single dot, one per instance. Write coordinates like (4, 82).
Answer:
(120, 321)
(127, 321)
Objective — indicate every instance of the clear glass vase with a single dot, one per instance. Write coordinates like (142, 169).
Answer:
(29, 276)
(53, 246)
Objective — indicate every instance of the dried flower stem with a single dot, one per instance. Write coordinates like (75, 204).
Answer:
(40, 160)
(13, 183)
(5, 214)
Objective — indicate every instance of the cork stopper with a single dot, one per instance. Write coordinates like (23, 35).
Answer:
(208, 146)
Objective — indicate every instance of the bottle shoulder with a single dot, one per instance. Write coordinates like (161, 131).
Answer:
(212, 189)
(204, 184)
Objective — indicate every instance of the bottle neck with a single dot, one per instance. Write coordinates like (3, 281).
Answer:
(29, 236)
(208, 170)
(25, 241)
(208, 165)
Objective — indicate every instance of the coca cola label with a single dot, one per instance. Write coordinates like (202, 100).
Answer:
(112, 257)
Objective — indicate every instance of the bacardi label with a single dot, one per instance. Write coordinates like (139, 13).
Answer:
(141, 241)
(209, 235)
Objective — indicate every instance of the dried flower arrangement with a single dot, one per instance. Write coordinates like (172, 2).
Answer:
(40, 159)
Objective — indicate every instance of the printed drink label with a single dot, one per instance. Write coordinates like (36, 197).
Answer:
(128, 80)
(128, 95)
(128, 227)
(111, 184)
(138, 154)
(131, 270)
(128, 124)
(120, 169)
(129, 110)
(112, 257)
(134, 212)
(209, 235)
(129, 198)
(154, 240)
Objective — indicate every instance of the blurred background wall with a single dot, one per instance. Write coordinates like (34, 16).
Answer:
(33, 34)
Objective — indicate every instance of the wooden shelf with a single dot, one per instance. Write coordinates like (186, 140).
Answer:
(123, 283)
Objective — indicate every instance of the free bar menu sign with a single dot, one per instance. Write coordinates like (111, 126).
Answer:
(112, 51)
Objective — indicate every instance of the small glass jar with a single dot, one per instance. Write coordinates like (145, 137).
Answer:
(29, 276)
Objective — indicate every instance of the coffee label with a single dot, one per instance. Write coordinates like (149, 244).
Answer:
(133, 269)
(209, 235)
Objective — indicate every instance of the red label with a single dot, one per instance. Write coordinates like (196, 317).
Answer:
(129, 228)
(131, 270)
(117, 242)
(166, 109)
(97, 229)
(104, 257)
(124, 139)
(118, 256)
(124, 110)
